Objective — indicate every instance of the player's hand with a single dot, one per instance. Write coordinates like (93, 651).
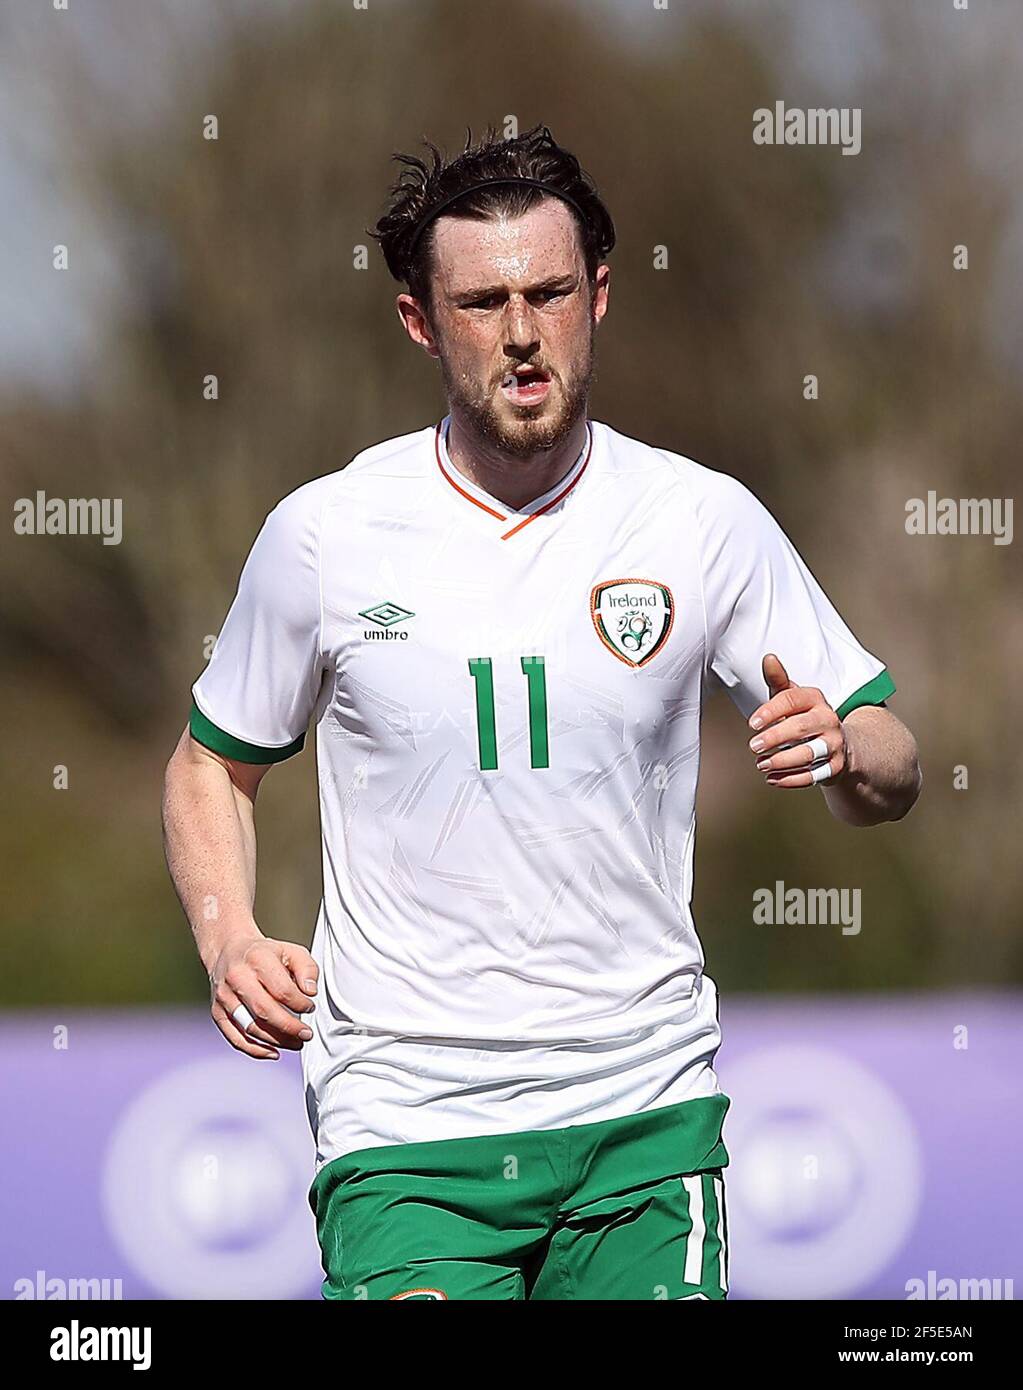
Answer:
(274, 980)
(795, 714)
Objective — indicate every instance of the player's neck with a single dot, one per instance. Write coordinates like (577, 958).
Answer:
(513, 480)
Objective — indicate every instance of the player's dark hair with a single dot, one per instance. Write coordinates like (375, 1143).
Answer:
(407, 243)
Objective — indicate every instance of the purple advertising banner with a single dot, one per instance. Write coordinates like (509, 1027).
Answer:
(875, 1144)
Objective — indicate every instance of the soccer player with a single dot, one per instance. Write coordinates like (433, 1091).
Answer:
(502, 627)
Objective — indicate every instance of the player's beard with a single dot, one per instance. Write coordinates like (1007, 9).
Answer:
(526, 435)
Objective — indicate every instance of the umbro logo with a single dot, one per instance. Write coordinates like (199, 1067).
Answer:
(386, 615)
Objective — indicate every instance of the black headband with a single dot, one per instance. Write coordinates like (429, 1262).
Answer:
(425, 221)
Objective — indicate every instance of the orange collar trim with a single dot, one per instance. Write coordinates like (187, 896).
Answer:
(490, 510)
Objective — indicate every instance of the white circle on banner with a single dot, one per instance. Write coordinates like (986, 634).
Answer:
(204, 1184)
(824, 1183)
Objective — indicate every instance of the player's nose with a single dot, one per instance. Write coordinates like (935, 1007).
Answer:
(520, 322)
(521, 348)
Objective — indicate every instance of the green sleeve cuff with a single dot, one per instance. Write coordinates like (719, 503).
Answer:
(873, 693)
(204, 731)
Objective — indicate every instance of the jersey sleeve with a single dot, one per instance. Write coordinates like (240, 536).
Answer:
(760, 597)
(254, 701)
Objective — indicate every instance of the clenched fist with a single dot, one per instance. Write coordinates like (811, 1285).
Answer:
(270, 979)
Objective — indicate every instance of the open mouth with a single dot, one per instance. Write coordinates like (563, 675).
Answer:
(526, 385)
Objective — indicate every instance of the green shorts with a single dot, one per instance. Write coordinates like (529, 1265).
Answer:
(622, 1209)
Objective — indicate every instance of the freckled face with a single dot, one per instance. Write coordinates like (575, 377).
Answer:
(507, 294)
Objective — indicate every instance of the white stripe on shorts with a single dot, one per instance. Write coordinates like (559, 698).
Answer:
(719, 1194)
(693, 1272)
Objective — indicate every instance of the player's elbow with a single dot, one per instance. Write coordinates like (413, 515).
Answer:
(914, 786)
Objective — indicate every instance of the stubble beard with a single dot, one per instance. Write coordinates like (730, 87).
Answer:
(527, 435)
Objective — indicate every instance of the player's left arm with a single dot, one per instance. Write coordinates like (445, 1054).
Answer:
(866, 764)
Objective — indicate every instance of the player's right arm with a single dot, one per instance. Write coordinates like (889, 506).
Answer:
(251, 708)
(210, 843)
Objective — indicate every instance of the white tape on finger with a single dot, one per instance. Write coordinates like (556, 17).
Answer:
(818, 749)
(242, 1017)
(819, 774)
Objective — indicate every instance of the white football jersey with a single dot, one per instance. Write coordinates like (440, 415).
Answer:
(507, 712)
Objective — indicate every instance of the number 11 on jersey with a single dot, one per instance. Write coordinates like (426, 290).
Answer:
(482, 672)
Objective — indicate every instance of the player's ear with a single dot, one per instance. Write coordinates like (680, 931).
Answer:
(415, 322)
(599, 291)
